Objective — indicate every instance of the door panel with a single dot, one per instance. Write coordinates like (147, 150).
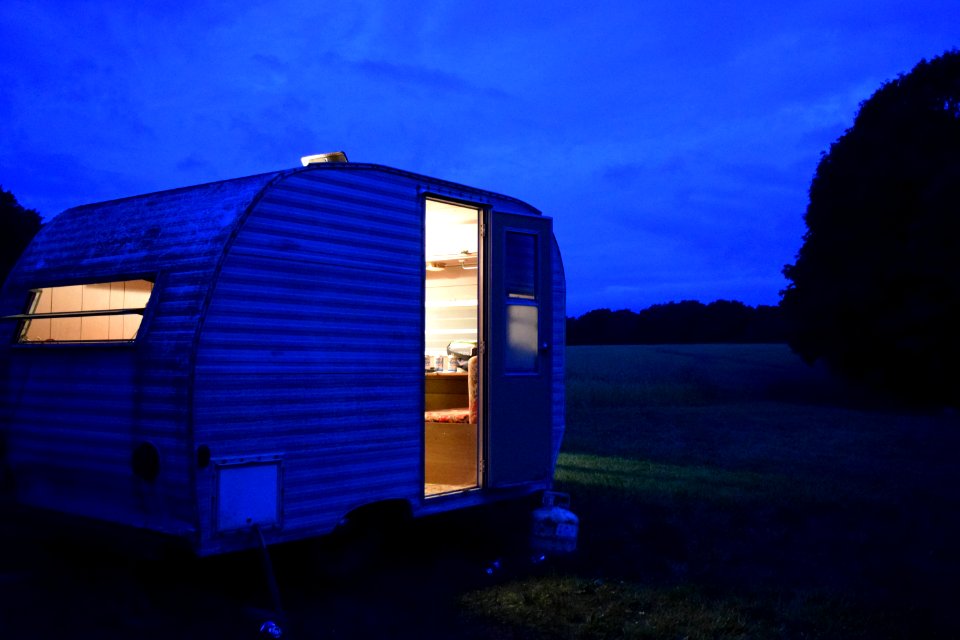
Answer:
(519, 353)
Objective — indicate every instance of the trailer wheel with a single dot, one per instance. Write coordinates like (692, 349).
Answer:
(367, 538)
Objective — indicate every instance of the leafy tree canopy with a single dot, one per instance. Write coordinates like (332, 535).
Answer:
(17, 227)
(875, 289)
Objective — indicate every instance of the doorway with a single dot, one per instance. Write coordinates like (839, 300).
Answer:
(452, 363)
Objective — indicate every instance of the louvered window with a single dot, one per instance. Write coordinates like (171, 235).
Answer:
(98, 312)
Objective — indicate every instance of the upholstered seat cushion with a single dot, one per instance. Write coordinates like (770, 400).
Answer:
(467, 415)
(448, 415)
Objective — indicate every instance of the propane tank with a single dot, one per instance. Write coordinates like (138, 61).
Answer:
(554, 527)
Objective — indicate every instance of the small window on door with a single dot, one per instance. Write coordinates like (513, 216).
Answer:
(520, 277)
(521, 270)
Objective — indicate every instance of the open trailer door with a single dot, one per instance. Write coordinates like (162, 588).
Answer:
(519, 352)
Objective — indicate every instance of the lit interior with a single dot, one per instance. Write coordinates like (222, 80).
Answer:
(451, 231)
(100, 312)
(451, 321)
(451, 285)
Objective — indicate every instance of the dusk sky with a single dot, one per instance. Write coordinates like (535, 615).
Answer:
(672, 142)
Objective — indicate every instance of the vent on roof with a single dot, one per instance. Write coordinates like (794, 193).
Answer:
(336, 156)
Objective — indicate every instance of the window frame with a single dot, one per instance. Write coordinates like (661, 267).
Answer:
(523, 300)
(26, 316)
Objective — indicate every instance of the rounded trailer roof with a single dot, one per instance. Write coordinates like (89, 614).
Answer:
(140, 234)
(180, 231)
(144, 233)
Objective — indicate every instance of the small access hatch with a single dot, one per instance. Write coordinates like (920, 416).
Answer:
(248, 493)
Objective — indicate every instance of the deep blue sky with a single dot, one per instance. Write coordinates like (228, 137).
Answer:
(672, 141)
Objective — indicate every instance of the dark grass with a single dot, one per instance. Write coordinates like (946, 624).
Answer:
(724, 492)
(732, 492)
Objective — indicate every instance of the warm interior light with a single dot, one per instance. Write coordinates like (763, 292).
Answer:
(445, 304)
(93, 312)
(451, 232)
(451, 295)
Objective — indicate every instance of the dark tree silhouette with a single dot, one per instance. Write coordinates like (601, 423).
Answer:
(875, 289)
(602, 326)
(17, 227)
(685, 322)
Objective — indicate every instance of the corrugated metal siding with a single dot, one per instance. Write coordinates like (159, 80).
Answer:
(311, 347)
(74, 413)
(559, 350)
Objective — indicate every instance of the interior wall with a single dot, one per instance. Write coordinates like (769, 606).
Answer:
(451, 308)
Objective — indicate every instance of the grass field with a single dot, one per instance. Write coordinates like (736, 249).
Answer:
(724, 491)
(729, 491)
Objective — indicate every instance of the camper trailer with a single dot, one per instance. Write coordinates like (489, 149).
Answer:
(273, 353)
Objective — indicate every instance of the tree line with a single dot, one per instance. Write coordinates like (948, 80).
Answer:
(686, 322)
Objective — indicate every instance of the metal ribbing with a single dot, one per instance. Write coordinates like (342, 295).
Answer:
(312, 344)
(74, 413)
